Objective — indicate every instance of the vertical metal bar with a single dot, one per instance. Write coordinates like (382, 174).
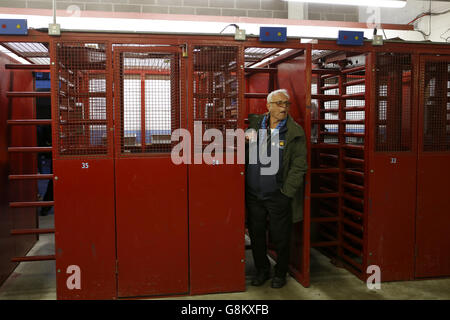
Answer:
(242, 87)
(110, 136)
(118, 102)
(246, 101)
(54, 79)
(142, 111)
(54, 11)
(109, 100)
(342, 78)
(370, 126)
(416, 127)
(441, 103)
(189, 78)
(307, 192)
(85, 76)
(415, 101)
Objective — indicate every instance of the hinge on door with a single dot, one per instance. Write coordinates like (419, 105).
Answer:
(117, 266)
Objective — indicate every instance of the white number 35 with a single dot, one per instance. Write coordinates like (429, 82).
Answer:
(84, 165)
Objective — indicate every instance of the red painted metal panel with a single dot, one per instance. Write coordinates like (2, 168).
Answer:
(257, 83)
(151, 191)
(84, 224)
(433, 173)
(391, 218)
(290, 75)
(216, 192)
(391, 170)
(152, 234)
(433, 216)
(216, 228)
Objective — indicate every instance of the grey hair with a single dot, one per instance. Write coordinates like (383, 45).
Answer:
(283, 91)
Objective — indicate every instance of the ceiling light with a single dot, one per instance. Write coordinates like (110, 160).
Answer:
(367, 3)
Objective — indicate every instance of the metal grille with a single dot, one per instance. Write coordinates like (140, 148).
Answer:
(81, 107)
(150, 100)
(338, 97)
(393, 102)
(436, 104)
(216, 102)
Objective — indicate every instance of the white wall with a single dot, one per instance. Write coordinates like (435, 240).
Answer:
(439, 24)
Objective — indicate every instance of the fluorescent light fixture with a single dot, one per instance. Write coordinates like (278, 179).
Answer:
(367, 3)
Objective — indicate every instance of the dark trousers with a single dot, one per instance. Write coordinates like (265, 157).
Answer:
(277, 210)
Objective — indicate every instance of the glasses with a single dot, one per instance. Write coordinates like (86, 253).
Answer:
(281, 103)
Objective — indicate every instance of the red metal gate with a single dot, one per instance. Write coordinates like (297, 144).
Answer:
(216, 189)
(392, 162)
(151, 191)
(83, 169)
(433, 172)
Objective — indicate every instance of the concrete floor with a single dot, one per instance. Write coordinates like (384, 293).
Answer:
(36, 281)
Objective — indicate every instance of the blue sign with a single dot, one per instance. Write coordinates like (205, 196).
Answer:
(13, 27)
(272, 34)
(351, 38)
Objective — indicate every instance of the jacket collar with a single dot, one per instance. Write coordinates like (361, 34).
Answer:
(293, 129)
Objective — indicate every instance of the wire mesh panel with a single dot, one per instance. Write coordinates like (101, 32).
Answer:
(436, 104)
(81, 109)
(393, 102)
(216, 84)
(148, 87)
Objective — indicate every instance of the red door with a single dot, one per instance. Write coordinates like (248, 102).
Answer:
(151, 191)
(433, 172)
(392, 165)
(83, 167)
(216, 187)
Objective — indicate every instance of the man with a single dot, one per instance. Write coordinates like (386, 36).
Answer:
(277, 196)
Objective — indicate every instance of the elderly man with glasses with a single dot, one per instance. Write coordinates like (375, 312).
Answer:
(276, 198)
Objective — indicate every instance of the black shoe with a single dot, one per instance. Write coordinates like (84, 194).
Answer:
(278, 282)
(260, 278)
